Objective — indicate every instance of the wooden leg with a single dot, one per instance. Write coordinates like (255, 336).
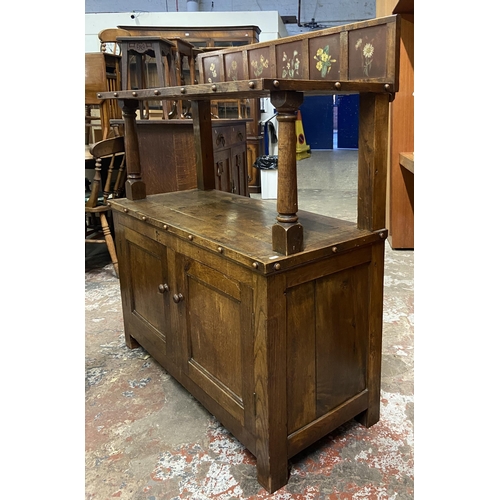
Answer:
(130, 341)
(287, 234)
(109, 242)
(135, 188)
(372, 414)
(270, 390)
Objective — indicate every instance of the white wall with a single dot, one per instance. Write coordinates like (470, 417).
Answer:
(270, 22)
(326, 13)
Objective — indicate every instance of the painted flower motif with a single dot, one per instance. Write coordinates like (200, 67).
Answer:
(233, 70)
(291, 66)
(324, 64)
(366, 55)
(259, 65)
(368, 50)
(213, 71)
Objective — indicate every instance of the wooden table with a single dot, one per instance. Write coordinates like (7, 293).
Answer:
(270, 316)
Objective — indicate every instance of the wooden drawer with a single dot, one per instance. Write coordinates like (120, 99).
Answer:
(237, 133)
(221, 137)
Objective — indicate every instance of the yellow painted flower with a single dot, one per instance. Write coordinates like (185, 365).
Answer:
(358, 43)
(319, 65)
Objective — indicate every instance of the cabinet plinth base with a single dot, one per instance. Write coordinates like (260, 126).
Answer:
(288, 238)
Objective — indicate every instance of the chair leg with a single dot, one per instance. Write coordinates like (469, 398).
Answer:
(109, 242)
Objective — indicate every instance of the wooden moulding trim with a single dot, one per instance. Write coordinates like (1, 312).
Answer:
(310, 433)
(249, 89)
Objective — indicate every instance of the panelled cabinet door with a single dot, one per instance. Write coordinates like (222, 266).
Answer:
(145, 289)
(239, 181)
(222, 161)
(216, 321)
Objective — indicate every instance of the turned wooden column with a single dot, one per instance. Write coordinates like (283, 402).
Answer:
(135, 189)
(287, 235)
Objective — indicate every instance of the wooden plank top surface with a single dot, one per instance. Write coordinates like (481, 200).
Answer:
(242, 226)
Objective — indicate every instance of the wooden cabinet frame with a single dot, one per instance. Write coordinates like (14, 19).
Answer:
(274, 320)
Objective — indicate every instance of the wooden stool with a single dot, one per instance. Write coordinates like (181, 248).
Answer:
(158, 48)
(185, 57)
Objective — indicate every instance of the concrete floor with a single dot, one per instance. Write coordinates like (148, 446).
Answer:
(148, 439)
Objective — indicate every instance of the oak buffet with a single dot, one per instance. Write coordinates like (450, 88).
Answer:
(271, 319)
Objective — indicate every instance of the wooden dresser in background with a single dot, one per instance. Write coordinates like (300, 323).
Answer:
(400, 217)
(168, 156)
(212, 38)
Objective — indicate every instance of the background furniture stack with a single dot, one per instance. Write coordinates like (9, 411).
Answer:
(208, 39)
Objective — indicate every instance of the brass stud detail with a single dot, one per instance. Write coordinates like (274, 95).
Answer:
(382, 235)
(277, 266)
(165, 226)
(99, 95)
(183, 90)
(144, 217)
(214, 87)
(134, 94)
(338, 85)
(255, 265)
(387, 87)
(190, 237)
(125, 210)
(251, 85)
(156, 92)
(276, 83)
(116, 94)
(220, 249)
(334, 249)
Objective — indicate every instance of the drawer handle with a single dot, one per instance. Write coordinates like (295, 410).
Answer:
(220, 139)
(163, 288)
(220, 168)
(178, 297)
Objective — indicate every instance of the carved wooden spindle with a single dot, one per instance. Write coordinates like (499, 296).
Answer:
(287, 235)
(135, 189)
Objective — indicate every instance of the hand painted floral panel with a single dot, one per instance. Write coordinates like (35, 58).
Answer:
(260, 63)
(289, 60)
(324, 58)
(367, 51)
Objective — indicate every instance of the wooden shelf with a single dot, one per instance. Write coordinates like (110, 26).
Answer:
(406, 160)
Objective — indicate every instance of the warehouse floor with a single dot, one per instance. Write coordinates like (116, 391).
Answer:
(148, 439)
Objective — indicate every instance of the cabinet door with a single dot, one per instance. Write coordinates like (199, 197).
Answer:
(239, 175)
(144, 282)
(222, 161)
(216, 319)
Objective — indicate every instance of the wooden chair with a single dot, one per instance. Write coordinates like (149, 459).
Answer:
(109, 44)
(97, 228)
(102, 73)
